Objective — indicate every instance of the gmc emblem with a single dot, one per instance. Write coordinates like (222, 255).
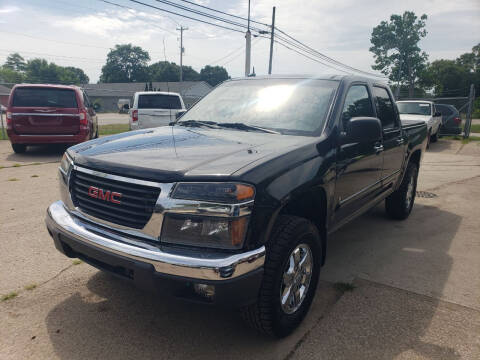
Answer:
(107, 195)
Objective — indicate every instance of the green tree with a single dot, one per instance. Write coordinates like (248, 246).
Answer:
(471, 60)
(72, 75)
(125, 63)
(164, 71)
(395, 48)
(447, 78)
(15, 62)
(190, 74)
(214, 75)
(8, 75)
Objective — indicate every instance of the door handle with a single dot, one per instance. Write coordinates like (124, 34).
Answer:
(378, 148)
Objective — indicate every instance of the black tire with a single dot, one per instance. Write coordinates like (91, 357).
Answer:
(96, 133)
(429, 138)
(434, 137)
(267, 314)
(19, 148)
(396, 204)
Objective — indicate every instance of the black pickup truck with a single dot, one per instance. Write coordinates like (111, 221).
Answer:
(233, 203)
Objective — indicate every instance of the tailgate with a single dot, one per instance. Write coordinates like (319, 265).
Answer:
(148, 118)
(45, 121)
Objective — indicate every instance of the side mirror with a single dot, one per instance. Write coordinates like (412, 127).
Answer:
(179, 114)
(363, 129)
(437, 113)
(126, 107)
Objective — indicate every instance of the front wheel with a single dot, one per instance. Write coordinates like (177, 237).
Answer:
(290, 277)
(399, 204)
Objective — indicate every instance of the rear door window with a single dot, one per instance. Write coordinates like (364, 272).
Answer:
(44, 97)
(357, 103)
(385, 108)
(159, 102)
(445, 110)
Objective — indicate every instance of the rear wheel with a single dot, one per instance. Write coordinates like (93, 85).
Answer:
(399, 204)
(434, 137)
(429, 138)
(19, 148)
(290, 278)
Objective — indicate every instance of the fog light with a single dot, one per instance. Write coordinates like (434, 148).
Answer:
(205, 290)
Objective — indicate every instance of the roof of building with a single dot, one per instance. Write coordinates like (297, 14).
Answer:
(185, 88)
(4, 90)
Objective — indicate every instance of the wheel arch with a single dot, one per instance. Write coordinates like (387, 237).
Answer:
(312, 205)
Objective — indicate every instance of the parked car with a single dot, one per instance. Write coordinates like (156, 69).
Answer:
(3, 109)
(451, 120)
(424, 111)
(154, 108)
(233, 204)
(49, 114)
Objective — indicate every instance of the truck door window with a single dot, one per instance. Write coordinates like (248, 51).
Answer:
(385, 109)
(357, 103)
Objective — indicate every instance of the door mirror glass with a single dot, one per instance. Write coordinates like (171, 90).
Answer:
(363, 129)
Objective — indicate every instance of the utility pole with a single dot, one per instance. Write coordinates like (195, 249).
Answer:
(271, 42)
(248, 44)
(182, 50)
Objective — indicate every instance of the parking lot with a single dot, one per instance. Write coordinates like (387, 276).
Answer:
(416, 283)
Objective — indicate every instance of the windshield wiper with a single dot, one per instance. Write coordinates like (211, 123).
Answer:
(210, 124)
(242, 126)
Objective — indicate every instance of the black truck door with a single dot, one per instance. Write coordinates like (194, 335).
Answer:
(359, 165)
(393, 142)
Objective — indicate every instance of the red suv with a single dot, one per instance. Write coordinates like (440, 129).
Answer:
(49, 114)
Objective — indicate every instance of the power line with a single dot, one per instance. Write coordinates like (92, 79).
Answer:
(201, 13)
(225, 13)
(186, 16)
(325, 57)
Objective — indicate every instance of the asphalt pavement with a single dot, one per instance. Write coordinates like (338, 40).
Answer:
(416, 283)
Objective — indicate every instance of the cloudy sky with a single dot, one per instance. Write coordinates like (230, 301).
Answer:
(80, 33)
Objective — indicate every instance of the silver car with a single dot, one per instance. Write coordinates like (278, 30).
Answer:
(422, 110)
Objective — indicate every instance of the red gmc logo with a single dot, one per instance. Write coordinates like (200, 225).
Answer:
(107, 195)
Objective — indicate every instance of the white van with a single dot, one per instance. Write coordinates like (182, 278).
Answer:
(154, 108)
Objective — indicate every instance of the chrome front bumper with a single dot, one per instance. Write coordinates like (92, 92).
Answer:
(202, 266)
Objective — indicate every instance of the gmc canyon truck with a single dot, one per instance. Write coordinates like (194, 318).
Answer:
(232, 204)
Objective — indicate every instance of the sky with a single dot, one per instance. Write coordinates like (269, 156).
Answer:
(80, 33)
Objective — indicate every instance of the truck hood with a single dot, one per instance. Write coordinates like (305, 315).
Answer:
(425, 118)
(170, 153)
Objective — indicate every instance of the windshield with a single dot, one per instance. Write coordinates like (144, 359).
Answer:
(44, 97)
(414, 108)
(293, 106)
(159, 101)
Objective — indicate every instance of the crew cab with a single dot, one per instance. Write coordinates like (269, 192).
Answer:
(49, 114)
(154, 108)
(234, 203)
(424, 111)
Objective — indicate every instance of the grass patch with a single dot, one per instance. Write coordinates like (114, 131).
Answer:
(112, 129)
(16, 165)
(34, 175)
(343, 287)
(77, 262)
(475, 128)
(9, 296)
(3, 137)
(13, 179)
(30, 287)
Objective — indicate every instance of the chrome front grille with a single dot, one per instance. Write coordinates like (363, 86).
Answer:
(136, 203)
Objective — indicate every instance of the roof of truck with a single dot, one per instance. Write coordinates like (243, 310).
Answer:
(156, 93)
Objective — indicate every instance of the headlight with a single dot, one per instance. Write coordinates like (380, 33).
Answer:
(230, 193)
(66, 163)
(212, 232)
